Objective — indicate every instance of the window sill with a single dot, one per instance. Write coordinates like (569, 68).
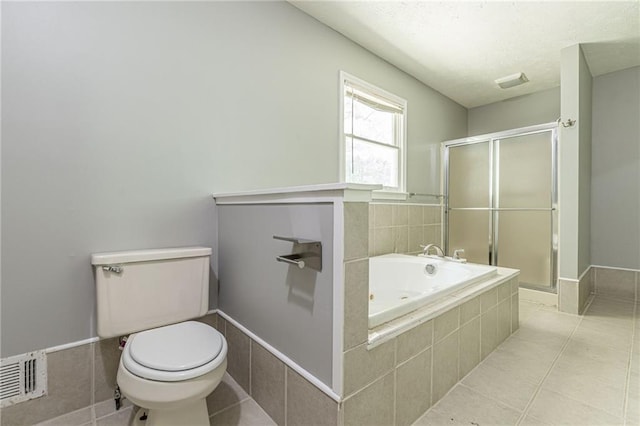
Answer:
(389, 195)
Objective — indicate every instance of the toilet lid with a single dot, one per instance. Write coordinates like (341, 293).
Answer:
(176, 347)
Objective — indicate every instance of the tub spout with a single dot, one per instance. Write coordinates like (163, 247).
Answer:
(426, 249)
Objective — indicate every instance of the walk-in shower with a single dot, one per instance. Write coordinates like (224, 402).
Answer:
(501, 201)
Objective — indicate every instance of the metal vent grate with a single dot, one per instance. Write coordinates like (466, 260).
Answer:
(23, 377)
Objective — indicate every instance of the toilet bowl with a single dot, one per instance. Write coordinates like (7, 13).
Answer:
(169, 371)
(170, 364)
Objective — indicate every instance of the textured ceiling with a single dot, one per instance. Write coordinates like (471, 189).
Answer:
(459, 48)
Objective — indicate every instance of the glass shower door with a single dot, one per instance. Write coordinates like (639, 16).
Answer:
(501, 202)
(524, 206)
(469, 202)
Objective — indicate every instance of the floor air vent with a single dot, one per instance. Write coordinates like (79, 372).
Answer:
(23, 377)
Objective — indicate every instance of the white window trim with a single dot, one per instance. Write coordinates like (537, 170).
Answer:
(386, 193)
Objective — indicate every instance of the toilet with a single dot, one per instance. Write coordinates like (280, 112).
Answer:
(169, 364)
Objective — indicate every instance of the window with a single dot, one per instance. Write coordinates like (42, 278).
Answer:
(373, 135)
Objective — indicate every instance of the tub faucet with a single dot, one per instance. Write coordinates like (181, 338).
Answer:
(428, 247)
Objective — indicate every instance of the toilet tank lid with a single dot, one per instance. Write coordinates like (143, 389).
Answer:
(148, 255)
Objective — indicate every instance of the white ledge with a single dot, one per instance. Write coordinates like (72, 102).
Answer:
(324, 192)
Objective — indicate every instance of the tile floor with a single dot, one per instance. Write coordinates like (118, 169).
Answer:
(556, 369)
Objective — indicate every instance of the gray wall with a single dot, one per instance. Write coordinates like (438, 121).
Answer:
(290, 308)
(574, 168)
(615, 190)
(528, 110)
(120, 119)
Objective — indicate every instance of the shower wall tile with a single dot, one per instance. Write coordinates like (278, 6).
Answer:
(416, 215)
(382, 215)
(402, 228)
(416, 238)
(399, 215)
(383, 241)
(356, 230)
(356, 303)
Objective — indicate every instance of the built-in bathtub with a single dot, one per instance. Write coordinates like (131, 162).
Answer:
(400, 283)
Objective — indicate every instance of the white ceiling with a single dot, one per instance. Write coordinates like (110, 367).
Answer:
(460, 47)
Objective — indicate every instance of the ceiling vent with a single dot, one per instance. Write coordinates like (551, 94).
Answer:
(23, 377)
(512, 80)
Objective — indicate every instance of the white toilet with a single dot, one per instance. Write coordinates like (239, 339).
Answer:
(170, 365)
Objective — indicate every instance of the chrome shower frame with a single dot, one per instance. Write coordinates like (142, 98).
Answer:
(494, 217)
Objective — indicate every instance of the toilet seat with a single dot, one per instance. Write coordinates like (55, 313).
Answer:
(174, 353)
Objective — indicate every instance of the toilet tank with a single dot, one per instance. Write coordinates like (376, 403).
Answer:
(143, 289)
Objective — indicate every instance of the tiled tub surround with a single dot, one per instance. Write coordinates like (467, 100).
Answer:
(407, 365)
(402, 228)
(394, 373)
(397, 378)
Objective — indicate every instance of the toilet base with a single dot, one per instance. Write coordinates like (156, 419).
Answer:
(194, 414)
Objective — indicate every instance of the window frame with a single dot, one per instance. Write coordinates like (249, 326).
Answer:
(400, 135)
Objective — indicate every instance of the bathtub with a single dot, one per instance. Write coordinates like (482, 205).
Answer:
(399, 283)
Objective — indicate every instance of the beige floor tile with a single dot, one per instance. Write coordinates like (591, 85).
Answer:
(501, 384)
(524, 360)
(614, 307)
(604, 334)
(595, 384)
(247, 413)
(78, 417)
(119, 418)
(554, 408)
(551, 321)
(596, 353)
(527, 308)
(228, 393)
(466, 406)
(532, 421)
(434, 417)
(633, 400)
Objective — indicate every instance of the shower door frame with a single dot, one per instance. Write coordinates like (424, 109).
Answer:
(494, 217)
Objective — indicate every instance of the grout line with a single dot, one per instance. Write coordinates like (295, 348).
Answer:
(286, 392)
(235, 404)
(553, 364)
(93, 383)
(625, 402)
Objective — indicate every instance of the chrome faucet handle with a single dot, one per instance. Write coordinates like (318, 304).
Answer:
(457, 253)
(428, 247)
